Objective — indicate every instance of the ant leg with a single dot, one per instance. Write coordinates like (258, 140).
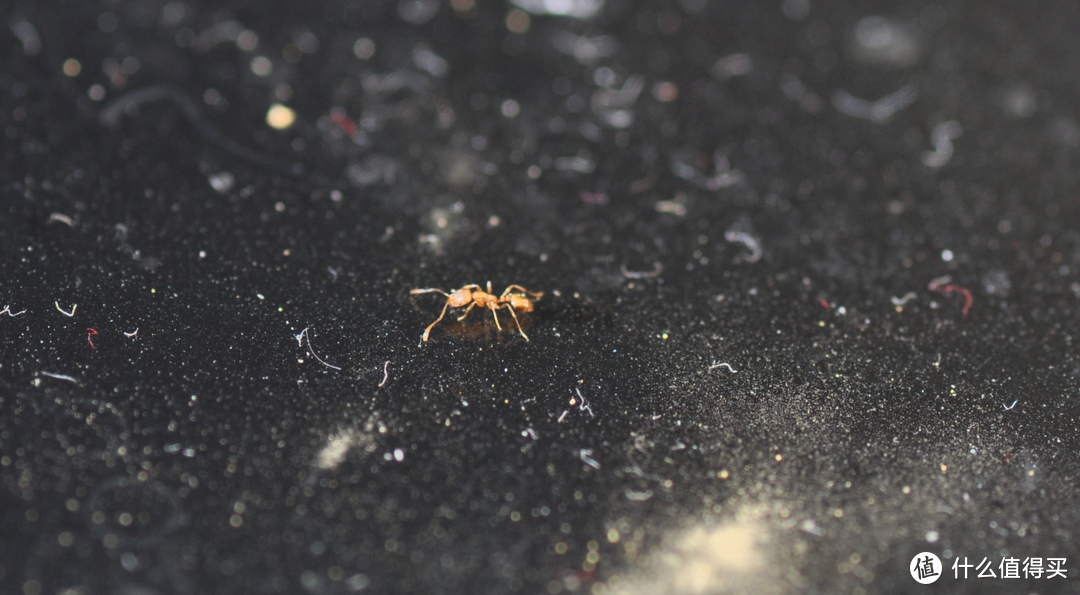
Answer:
(496, 316)
(428, 290)
(432, 325)
(467, 310)
(512, 313)
(535, 294)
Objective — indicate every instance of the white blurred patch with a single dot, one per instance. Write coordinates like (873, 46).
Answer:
(578, 9)
(885, 41)
(1019, 101)
(339, 445)
(418, 12)
(587, 50)
(706, 559)
(732, 65)
(427, 60)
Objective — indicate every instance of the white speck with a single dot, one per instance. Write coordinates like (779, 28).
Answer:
(638, 496)
(364, 48)
(418, 12)
(68, 314)
(427, 60)
(586, 457)
(900, 301)
(262, 66)
(399, 455)
(129, 561)
(889, 42)
(587, 50)
(222, 182)
(941, 137)
(732, 65)
(510, 108)
(747, 240)
(28, 36)
(932, 536)
(879, 111)
(1019, 102)
(578, 9)
(671, 207)
(59, 376)
(811, 527)
(947, 255)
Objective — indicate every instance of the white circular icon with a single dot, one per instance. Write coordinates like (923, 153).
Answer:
(925, 568)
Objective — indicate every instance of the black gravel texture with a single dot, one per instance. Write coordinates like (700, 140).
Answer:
(810, 275)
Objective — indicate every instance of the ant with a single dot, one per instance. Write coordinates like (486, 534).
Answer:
(515, 297)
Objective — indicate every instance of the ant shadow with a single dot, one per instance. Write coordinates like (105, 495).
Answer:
(478, 325)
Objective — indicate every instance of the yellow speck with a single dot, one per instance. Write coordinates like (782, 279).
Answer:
(613, 535)
(72, 67)
(280, 117)
(944, 467)
(821, 323)
(838, 513)
(592, 557)
(236, 520)
(723, 474)
(561, 547)
(664, 336)
(593, 545)
(906, 489)
(514, 516)
(779, 457)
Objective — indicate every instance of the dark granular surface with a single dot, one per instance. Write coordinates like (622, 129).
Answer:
(811, 274)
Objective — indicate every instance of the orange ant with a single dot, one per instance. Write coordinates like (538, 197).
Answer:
(515, 297)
